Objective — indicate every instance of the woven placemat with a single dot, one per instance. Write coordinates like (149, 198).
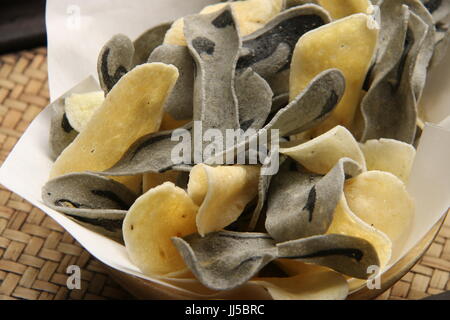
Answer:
(35, 251)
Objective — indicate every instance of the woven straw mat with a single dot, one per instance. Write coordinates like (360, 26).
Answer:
(35, 251)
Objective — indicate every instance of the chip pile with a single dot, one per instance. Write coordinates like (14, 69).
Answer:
(340, 80)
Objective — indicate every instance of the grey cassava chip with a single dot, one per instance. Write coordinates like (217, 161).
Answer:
(214, 42)
(225, 260)
(114, 61)
(61, 132)
(392, 86)
(148, 41)
(268, 51)
(179, 103)
(88, 193)
(301, 204)
(440, 9)
(151, 153)
(348, 255)
(310, 107)
(255, 100)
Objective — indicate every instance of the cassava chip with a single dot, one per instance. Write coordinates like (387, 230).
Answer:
(221, 193)
(310, 107)
(343, 8)
(151, 180)
(389, 155)
(214, 43)
(320, 285)
(114, 61)
(113, 128)
(347, 223)
(86, 192)
(61, 132)
(179, 104)
(381, 200)
(81, 106)
(350, 256)
(160, 214)
(151, 153)
(440, 9)
(300, 204)
(347, 44)
(322, 153)
(250, 16)
(147, 42)
(225, 260)
(254, 98)
(269, 50)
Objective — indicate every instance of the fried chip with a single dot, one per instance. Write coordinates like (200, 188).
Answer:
(254, 98)
(225, 260)
(440, 9)
(320, 285)
(343, 8)
(347, 44)
(321, 154)
(310, 107)
(96, 202)
(61, 132)
(389, 155)
(301, 205)
(114, 61)
(269, 50)
(381, 200)
(160, 214)
(345, 222)
(221, 193)
(151, 180)
(151, 153)
(146, 43)
(81, 106)
(113, 128)
(214, 43)
(250, 16)
(399, 76)
(179, 105)
(348, 255)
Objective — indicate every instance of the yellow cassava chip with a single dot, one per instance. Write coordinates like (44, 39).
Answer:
(343, 8)
(132, 109)
(321, 154)
(80, 107)
(389, 155)
(151, 180)
(250, 16)
(348, 45)
(347, 223)
(160, 214)
(381, 200)
(222, 193)
(319, 285)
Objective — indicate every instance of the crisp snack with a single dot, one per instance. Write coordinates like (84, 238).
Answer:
(113, 128)
(221, 193)
(250, 16)
(348, 223)
(380, 199)
(80, 108)
(322, 153)
(389, 155)
(146, 43)
(343, 8)
(163, 212)
(151, 180)
(349, 45)
(300, 204)
(320, 285)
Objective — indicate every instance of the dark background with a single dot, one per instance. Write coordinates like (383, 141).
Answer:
(22, 24)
